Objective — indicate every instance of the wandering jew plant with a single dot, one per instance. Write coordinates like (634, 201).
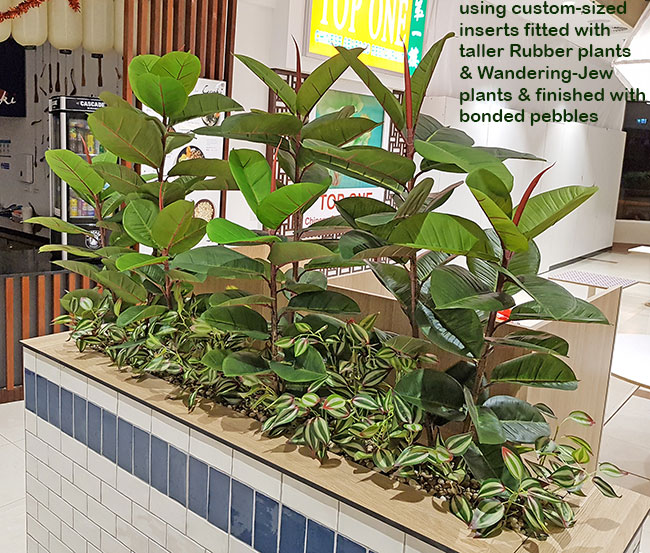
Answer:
(302, 359)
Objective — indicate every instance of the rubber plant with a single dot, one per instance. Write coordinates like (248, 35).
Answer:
(309, 371)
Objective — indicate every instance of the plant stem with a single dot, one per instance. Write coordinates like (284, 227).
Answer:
(273, 286)
(415, 292)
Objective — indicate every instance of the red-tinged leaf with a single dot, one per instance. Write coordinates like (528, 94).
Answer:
(528, 194)
(581, 418)
(513, 463)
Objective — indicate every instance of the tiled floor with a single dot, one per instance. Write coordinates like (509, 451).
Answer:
(12, 467)
(626, 438)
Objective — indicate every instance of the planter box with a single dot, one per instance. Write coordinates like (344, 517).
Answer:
(114, 464)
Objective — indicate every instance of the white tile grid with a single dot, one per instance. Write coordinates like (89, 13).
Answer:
(130, 515)
(102, 396)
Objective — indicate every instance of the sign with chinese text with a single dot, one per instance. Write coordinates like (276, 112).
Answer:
(379, 26)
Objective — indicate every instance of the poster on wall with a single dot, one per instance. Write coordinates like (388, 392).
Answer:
(207, 202)
(342, 185)
(13, 102)
(377, 26)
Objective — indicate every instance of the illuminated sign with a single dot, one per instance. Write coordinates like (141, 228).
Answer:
(376, 25)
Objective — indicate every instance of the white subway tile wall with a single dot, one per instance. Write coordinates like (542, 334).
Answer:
(107, 474)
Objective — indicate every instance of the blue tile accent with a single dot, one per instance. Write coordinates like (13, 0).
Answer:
(241, 512)
(177, 475)
(292, 533)
(219, 499)
(344, 545)
(67, 421)
(267, 512)
(159, 454)
(125, 445)
(94, 427)
(80, 419)
(30, 391)
(41, 397)
(54, 414)
(319, 538)
(197, 489)
(109, 435)
(228, 504)
(141, 454)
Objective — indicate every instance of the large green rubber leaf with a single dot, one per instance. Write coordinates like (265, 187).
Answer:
(122, 286)
(383, 95)
(223, 231)
(434, 392)
(356, 242)
(283, 253)
(271, 79)
(57, 225)
(539, 370)
(583, 312)
(175, 229)
(138, 221)
(74, 250)
(453, 286)
(267, 128)
(216, 168)
(546, 209)
(165, 95)
(309, 367)
(130, 135)
(321, 80)
(237, 318)
(79, 267)
(555, 299)
(137, 313)
(201, 260)
(252, 173)
(457, 331)
(244, 363)
(324, 302)
(337, 131)
(442, 232)
(505, 153)
(493, 187)
(520, 421)
(467, 158)
(200, 105)
(183, 67)
(535, 340)
(355, 207)
(422, 75)
(120, 178)
(78, 173)
(396, 280)
(367, 163)
(416, 198)
(275, 208)
(488, 427)
(135, 260)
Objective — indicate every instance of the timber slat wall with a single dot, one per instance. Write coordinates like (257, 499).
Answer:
(204, 27)
(28, 303)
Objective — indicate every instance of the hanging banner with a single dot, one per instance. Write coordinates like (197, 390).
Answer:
(379, 26)
(13, 101)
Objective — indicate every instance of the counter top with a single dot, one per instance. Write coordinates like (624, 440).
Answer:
(606, 525)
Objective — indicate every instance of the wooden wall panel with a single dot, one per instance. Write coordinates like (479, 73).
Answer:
(28, 303)
(203, 27)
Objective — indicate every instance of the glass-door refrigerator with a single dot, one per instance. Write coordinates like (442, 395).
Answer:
(69, 130)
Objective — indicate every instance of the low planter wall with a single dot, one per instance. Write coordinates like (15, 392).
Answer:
(114, 465)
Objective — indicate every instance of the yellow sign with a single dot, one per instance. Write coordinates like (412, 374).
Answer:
(376, 25)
